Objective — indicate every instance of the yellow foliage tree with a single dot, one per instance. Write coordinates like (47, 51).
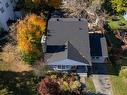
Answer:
(29, 33)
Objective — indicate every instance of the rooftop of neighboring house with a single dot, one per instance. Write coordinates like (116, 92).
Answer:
(68, 39)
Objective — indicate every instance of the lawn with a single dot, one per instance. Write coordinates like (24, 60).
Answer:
(90, 86)
(118, 85)
(16, 83)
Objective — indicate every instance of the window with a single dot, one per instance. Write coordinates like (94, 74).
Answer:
(11, 1)
(7, 5)
(62, 67)
(2, 10)
(59, 67)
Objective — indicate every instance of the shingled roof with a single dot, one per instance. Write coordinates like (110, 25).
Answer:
(68, 39)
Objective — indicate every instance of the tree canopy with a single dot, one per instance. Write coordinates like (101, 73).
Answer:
(119, 5)
(29, 32)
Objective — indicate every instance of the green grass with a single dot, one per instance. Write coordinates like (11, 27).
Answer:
(118, 85)
(89, 84)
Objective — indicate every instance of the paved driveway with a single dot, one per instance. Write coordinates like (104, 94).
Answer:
(101, 79)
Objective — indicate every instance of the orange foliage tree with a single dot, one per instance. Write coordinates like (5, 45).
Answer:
(29, 33)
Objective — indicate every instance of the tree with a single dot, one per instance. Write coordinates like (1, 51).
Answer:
(48, 87)
(53, 3)
(30, 5)
(75, 8)
(119, 5)
(28, 33)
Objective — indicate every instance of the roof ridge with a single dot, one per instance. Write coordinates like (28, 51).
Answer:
(67, 43)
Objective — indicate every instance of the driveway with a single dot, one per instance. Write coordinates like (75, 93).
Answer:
(101, 79)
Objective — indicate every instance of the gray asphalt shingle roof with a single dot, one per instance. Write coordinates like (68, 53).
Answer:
(68, 30)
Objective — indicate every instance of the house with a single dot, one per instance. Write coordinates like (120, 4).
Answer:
(7, 13)
(67, 45)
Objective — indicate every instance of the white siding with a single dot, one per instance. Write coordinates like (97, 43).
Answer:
(8, 12)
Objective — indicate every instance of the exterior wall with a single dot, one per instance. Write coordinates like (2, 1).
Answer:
(59, 68)
(80, 70)
(7, 6)
(98, 59)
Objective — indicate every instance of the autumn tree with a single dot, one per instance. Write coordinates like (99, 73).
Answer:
(48, 87)
(28, 33)
(119, 5)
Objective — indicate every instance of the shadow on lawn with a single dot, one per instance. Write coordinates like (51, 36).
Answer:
(17, 83)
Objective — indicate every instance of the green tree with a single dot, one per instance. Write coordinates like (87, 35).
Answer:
(119, 5)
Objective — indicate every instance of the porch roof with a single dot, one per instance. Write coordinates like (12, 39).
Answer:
(68, 62)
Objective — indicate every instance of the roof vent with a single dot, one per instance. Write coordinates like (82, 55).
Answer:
(43, 39)
(58, 19)
(79, 19)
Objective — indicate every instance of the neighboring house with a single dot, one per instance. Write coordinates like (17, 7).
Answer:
(98, 46)
(67, 45)
(7, 12)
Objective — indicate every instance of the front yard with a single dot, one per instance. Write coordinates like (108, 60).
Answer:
(90, 85)
(119, 85)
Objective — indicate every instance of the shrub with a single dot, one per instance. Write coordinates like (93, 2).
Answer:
(64, 83)
(123, 72)
(48, 87)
